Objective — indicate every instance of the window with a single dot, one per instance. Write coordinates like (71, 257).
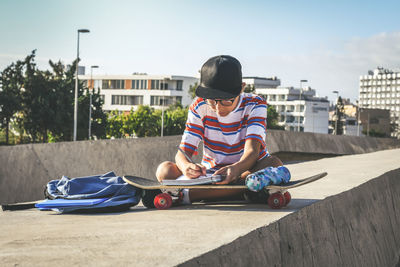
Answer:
(127, 100)
(289, 119)
(164, 100)
(155, 84)
(179, 85)
(113, 84)
(290, 108)
(164, 86)
(139, 84)
(300, 108)
(143, 84)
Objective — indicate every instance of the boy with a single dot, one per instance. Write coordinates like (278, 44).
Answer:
(232, 126)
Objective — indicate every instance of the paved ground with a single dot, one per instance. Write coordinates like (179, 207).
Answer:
(143, 237)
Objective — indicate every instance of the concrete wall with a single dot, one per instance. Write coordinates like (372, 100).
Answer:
(359, 227)
(25, 169)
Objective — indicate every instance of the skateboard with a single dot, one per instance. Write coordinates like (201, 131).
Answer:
(153, 197)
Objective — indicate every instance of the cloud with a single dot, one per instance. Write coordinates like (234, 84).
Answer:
(379, 50)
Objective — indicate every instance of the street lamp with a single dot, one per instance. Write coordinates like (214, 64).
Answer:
(90, 99)
(336, 110)
(76, 84)
(358, 117)
(301, 88)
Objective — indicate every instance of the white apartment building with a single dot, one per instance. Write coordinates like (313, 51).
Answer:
(261, 82)
(299, 109)
(124, 92)
(380, 89)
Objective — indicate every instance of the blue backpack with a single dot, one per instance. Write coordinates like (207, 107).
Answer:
(98, 193)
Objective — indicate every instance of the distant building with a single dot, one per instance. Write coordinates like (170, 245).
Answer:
(124, 92)
(298, 109)
(376, 121)
(380, 89)
(349, 120)
(260, 82)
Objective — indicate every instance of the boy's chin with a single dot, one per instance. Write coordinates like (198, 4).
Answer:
(223, 114)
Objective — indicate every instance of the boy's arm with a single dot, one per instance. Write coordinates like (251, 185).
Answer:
(247, 161)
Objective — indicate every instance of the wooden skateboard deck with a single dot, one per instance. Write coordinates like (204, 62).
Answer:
(149, 184)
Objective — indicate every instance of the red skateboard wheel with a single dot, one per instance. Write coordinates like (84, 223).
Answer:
(287, 197)
(163, 201)
(276, 200)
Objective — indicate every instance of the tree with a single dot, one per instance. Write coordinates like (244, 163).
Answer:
(192, 90)
(339, 112)
(39, 102)
(64, 84)
(374, 133)
(99, 117)
(272, 119)
(249, 88)
(115, 124)
(174, 119)
(11, 84)
(145, 122)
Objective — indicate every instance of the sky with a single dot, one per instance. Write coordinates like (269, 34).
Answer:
(328, 43)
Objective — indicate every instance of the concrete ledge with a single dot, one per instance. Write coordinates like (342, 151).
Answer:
(359, 227)
(25, 169)
(347, 218)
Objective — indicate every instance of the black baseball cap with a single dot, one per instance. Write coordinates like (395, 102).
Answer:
(220, 78)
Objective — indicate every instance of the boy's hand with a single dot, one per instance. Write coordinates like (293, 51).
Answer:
(193, 170)
(231, 172)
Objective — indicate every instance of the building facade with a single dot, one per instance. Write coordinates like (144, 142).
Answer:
(261, 82)
(126, 92)
(299, 109)
(380, 89)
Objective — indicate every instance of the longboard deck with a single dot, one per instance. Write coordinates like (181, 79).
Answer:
(149, 184)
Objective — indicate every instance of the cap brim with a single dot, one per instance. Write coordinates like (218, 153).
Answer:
(211, 93)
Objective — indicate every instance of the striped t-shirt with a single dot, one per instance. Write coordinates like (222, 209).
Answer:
(224, 137)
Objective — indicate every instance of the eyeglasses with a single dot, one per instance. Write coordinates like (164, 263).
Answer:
(223, 102)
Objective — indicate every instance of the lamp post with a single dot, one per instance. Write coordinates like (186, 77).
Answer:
(301, 88)
(162, 112)
(358, 117)
(90, 99)
(76, 84)
(336, 110)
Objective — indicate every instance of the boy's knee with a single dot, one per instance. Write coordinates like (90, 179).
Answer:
(164, 170)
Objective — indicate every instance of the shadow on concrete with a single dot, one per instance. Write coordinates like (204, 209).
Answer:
(234, 205)
(98, 213)
(294, 205)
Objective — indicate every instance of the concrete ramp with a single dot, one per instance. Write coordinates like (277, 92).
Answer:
(349, 218)
(359, 227)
